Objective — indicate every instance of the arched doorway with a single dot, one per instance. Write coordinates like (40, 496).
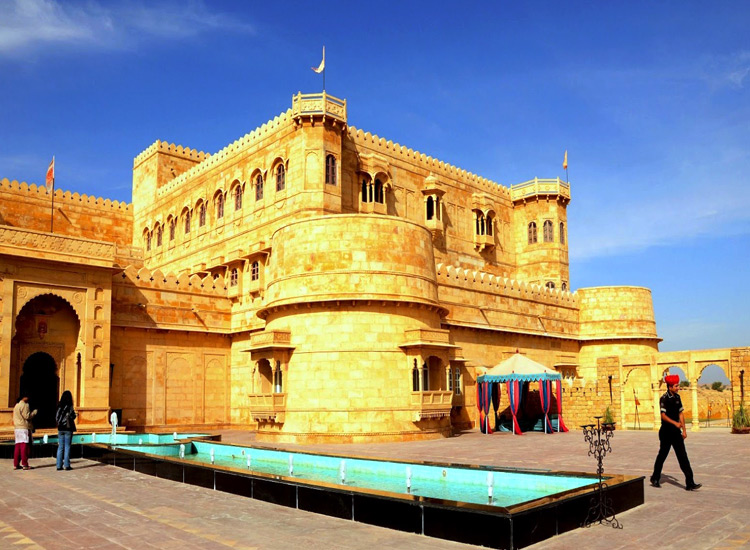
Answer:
(40, 382)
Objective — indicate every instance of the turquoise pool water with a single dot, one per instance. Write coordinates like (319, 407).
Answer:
(454, 483)
(123, 438)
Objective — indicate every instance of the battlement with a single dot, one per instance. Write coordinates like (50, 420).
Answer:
(62, 197)
(170, 149)
(486, 282)
(430, 164)
(229, 151)
(194, 284)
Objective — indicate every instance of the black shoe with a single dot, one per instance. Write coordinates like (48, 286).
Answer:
(655, 483)
(59, 469)
(694, 487)
(68, 468)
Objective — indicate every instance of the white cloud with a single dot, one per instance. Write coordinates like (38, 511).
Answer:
(33, 26)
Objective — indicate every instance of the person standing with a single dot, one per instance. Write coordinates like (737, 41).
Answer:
(22, 415)
(672, 434)
(65, 418)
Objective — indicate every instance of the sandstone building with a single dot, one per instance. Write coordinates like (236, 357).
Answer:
(316, 283)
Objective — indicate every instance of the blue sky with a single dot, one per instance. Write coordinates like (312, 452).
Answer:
(651, 99)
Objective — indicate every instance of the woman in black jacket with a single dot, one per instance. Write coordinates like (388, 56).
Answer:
(66, 425)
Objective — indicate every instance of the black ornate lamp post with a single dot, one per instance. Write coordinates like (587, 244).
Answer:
(600, 510)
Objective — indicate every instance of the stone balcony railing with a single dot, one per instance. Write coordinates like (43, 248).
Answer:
(482, 242)
(431, 404)
(428, 336)
(540, 187)
(318, 105)
(271, 339)
(268, 407)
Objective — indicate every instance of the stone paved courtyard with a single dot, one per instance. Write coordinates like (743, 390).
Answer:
(99, 506)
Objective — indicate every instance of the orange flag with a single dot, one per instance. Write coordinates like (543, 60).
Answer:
(565, 160)
(50, 178)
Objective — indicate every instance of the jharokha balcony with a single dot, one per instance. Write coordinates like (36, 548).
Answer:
(268, 407)
(431, 404)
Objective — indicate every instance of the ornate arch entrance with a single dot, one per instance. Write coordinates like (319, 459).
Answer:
(44, 346)
(39, 380)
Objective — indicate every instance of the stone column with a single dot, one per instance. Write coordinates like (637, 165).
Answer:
(694, 394)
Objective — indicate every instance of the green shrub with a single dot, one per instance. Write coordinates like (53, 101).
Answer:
(741, 417)
(608, 418)
(718, 386)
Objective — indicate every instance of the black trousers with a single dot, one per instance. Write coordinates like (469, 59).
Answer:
(670, 437)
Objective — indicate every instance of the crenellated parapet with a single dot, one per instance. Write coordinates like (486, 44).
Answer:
(152, 299)
(430, 164)
(62, 197)
(248, 140)
(487, 282)
(158, 280)
(171, 149)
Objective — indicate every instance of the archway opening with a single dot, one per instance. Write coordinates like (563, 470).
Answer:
(40, 382)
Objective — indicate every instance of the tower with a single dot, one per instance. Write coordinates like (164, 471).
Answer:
(540, 227)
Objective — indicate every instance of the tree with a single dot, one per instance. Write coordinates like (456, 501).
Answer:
(718, 386)
(684, 383)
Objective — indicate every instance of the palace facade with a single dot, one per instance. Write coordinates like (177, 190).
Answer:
(313, 282)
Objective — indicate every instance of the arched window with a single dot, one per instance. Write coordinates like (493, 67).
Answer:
(415, 377)
(548, 236)
(202, 214)
(278, 379)
(280, 177)
(430, 208)
(564, 286)
(187, 222)
(456, 380)
(238, 198)
(379, 193)
(365, 198)
(479, 225)
(254, 271)
(234, 277)
(259, 187)
(562, 233)
(331, 170)
(172, 227)
(147, 238)
(532, 232)
(488, 223)
(159, 232)
(550, 285)
(220, 206)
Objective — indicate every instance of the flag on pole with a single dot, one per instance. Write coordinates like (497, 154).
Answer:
(565, 160)
(322, 65)
(50, 178)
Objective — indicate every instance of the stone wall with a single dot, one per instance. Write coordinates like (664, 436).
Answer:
(30, 207)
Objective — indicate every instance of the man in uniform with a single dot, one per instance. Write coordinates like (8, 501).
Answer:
(672, 422)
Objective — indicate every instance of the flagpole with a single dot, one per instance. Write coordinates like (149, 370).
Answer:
(52, 212)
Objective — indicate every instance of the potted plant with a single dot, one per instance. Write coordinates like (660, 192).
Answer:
(741, 420)
(608, 418)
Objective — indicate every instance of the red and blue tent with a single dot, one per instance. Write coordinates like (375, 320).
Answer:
(513, 372)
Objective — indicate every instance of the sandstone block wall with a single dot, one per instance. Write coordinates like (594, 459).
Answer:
(30, 207)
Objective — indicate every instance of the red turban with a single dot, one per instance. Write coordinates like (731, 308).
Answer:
(672, 379)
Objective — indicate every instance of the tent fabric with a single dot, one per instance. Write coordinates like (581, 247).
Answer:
(545, 390)
(480, 407)
(560, 424)
(519, 367)
(513, 388)
(487, 403)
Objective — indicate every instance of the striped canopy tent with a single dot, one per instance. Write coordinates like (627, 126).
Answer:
(514, 372)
